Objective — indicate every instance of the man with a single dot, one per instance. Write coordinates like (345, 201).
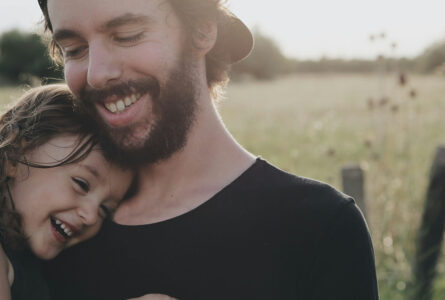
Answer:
(208, 220)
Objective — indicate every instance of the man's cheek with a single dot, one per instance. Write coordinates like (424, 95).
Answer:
(75, 78)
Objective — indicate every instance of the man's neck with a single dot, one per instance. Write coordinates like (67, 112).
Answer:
(211, 160)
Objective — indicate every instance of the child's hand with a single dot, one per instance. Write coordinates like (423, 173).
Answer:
(154, 297)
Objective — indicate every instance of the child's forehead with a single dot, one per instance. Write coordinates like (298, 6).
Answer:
(55, 149)
(103, 170)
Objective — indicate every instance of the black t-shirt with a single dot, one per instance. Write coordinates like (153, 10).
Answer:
(29, 282)
(267, 235)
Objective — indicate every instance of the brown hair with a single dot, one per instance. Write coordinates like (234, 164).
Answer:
(192, 13)
(38, 116)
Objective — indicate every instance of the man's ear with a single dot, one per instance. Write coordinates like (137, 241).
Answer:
(204, 37)
(11, 170)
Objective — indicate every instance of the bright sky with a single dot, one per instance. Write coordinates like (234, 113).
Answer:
(315, 28)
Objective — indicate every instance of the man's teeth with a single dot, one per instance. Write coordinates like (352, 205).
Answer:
(121, 104)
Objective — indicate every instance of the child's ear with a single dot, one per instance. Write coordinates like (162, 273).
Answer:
(11, 170)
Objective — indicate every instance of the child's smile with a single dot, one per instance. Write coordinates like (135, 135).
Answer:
(62, 206)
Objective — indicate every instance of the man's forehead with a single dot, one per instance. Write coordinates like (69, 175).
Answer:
(100, 11)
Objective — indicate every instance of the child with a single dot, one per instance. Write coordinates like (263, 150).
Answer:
(56, 187)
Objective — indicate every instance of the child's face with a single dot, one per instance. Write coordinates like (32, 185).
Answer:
(65, 205)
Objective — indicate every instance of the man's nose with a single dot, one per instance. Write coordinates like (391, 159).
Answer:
(103, 66)
(88, 212)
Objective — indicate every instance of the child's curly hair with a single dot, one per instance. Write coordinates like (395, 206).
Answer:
(38, 116)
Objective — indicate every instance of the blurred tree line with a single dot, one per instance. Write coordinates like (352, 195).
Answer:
(432, 59)
(24, 59)
(267, 61)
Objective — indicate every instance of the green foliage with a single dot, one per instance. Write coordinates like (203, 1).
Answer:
(24, 56)
(432, 58)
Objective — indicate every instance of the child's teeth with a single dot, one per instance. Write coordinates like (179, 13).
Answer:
(58, 222)
(133, 98)
(127, 101)
(63, 226)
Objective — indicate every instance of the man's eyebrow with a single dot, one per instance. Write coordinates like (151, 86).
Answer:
(125, 19)
(64, 34)
(128, 18)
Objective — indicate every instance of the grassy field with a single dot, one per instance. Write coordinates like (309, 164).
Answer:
(312, 125)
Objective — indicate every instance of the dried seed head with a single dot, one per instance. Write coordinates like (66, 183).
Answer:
(371, 104)
(402, 79)
(331, 152)
(384, 101)
(367, 143)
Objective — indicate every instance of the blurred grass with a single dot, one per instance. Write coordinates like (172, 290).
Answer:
(312, 125)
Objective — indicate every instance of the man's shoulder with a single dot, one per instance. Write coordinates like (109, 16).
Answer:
(271, 183)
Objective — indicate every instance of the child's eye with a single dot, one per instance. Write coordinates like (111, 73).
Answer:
(83, 184)
(105, 211)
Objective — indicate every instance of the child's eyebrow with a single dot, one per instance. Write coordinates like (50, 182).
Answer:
(93, 171)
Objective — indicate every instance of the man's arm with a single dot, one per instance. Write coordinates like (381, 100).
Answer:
(344, 268)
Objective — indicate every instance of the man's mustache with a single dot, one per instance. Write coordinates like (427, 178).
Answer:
(139, 86)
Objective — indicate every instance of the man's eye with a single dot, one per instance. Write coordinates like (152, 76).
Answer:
(74, 53)
(83, 184)
(129, 39)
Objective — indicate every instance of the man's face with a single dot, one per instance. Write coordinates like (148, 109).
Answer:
(130, 66)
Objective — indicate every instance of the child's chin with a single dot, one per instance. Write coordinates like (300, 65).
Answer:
(46, 255)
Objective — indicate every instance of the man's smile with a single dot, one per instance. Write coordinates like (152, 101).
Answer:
(121, 104)
(123, 111)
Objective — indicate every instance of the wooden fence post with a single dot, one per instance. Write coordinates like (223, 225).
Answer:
(430, 233)
(353, 180)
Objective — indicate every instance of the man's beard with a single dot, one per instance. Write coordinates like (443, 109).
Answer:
(173, 113)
